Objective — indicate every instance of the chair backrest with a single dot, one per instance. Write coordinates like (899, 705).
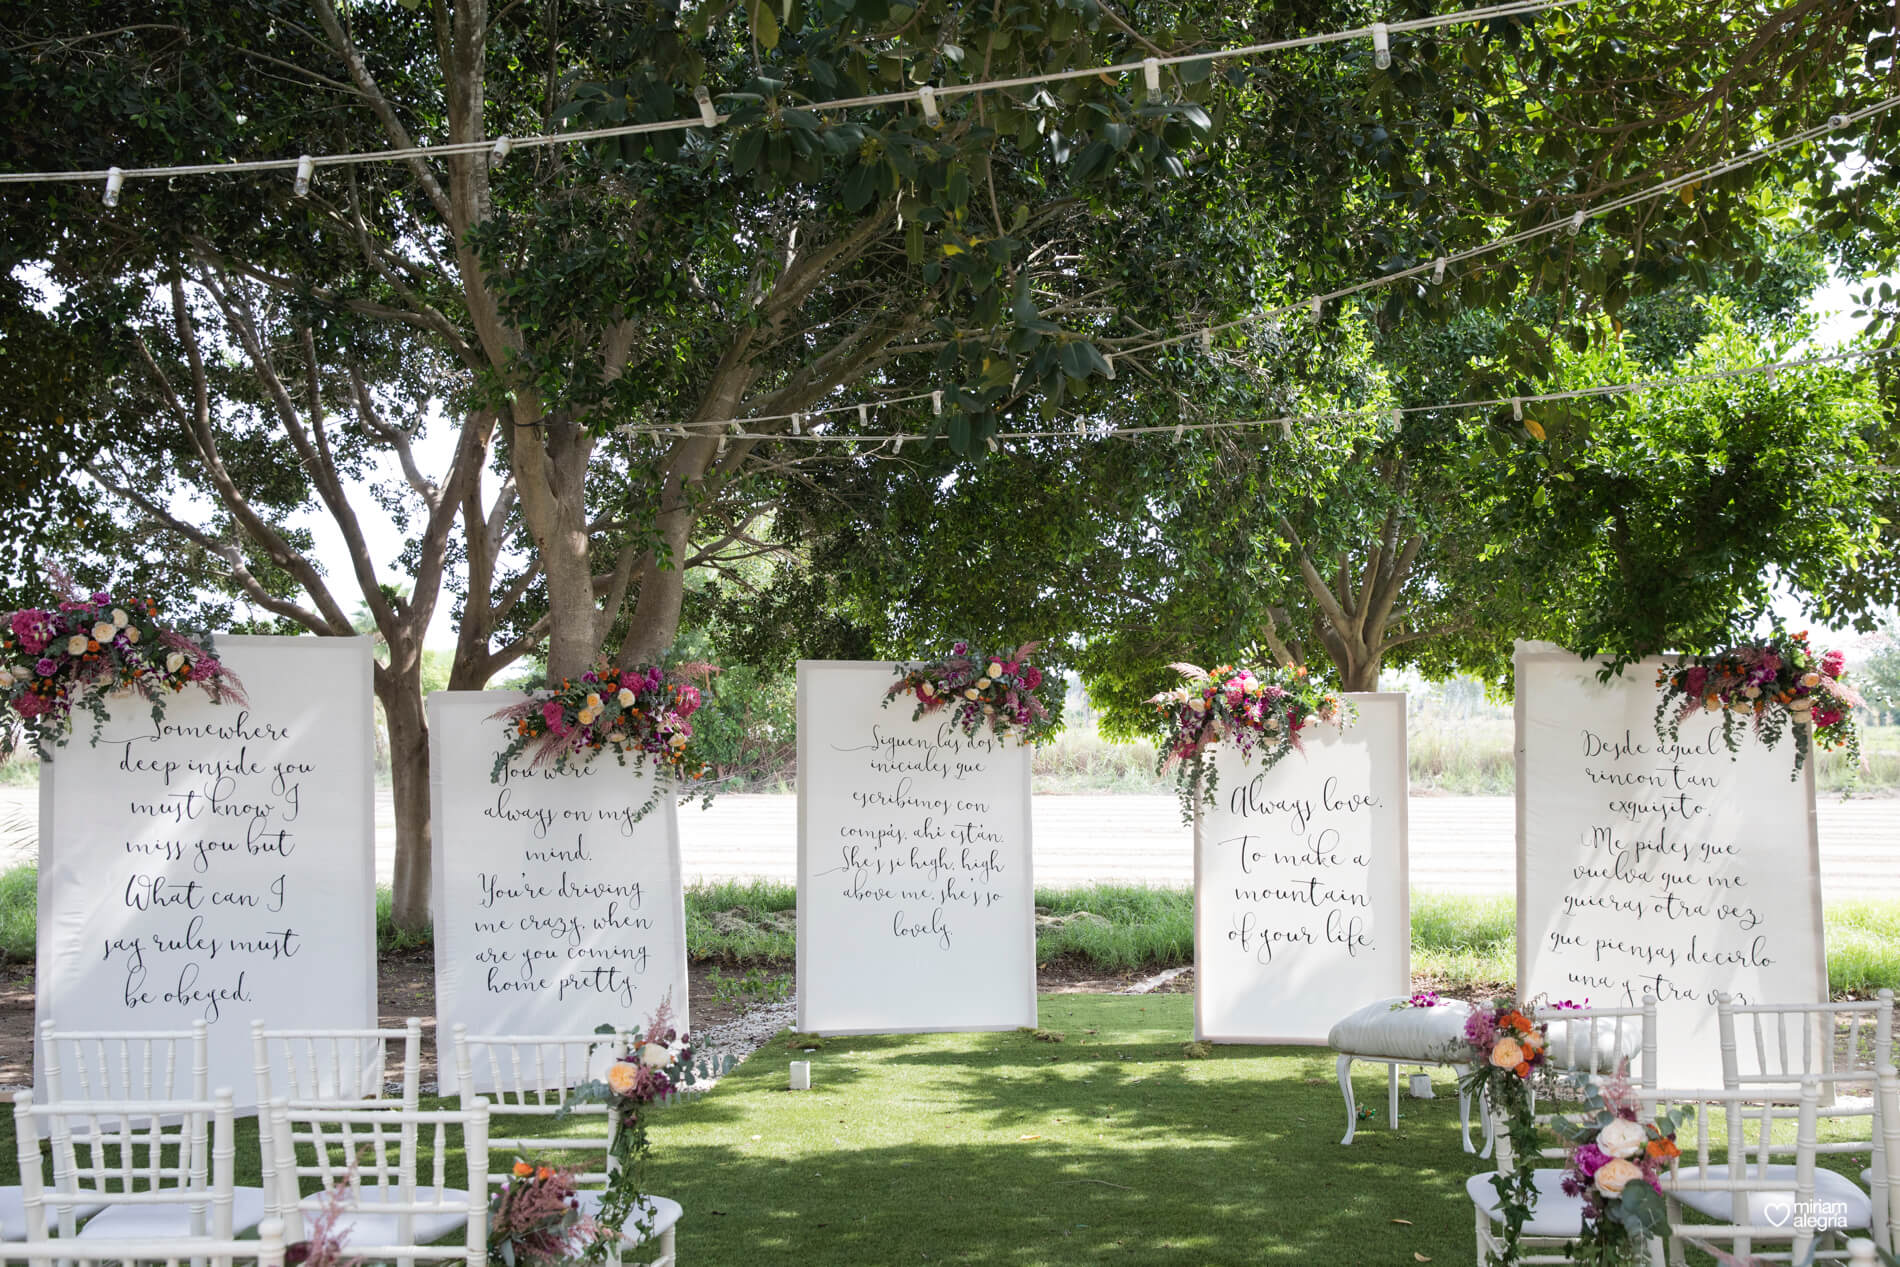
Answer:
(126, 1152)
(336, 1068)
(531, 1075)
(267, 1250)
(1777, 1045)
(125, 1064)
(349, 1153)
(1762, 1207)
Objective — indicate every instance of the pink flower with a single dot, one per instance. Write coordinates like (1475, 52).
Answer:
(1694, 679)
(1032, 676)
(47, 666)
(1833, 663)
(555, 716)
(686, 701)
(30, 705)
(1826, 716)
(33, 628)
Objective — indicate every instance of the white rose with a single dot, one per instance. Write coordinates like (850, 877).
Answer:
(1712, 705)
(653, 1055)
(119, 617)
(1753, 692)
(970, 693)
(678, 740)
(76, 645)
(996, 668)
(1810, 678)
(625, 697)
(982, 684)
(131, 633)
(1198, 705)
(929, 689)
(618, 736)
(103, 631)
(585, 717)
(1622, 1138)
(174, 662)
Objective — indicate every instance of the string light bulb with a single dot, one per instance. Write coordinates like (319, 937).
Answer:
(936, 403)
(927, 100)
(707, 115)
(1110, 362)
(1151, 74)
(1517, 409)
(798, 424)
(1381, 46)
(503, 144)
(1207, 342)
(1319, 310)
(1837, 121)
(1576, 224)
(115, 181)
(1438, 270)
(306, 169)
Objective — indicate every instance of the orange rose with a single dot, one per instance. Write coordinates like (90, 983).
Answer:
(523, 1170)
(1523, 1070)
(544, 1174)
(1664, 1149)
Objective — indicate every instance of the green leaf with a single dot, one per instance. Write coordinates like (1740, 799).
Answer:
(764, 24)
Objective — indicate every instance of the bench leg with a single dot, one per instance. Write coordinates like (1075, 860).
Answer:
(1392, 1094)
(1345, 1089)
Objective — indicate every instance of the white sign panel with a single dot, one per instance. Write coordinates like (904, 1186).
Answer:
(218, 865)
(555, 911)
(1644, 866)
(916, 907)
(1302, 911)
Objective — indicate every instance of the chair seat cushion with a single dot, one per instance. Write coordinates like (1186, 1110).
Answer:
(665, 1214)
(13, 1213)
(1838, 1202)
(1556, 1214)
(1380, 1031)
(159, 1223)
(368, 1228)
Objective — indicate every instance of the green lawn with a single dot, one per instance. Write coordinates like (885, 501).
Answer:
(1110, 1145)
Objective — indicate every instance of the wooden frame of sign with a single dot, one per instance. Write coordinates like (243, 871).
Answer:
(287, 826)
(1368, 837)
(569, 836)
(995, 995)
(1694, 819)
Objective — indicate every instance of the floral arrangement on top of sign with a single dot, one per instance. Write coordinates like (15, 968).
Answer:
(55, 661)
(1615, 1162)
(642, 713)
(1507, 1051)
(1771, 687)
(1260, 710)
(657, 1065)
(1004, 692)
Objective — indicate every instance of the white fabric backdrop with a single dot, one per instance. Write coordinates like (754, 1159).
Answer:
(916, 903)
(555, 913)
(222, 869)
(1640, 869)
(1302, 912)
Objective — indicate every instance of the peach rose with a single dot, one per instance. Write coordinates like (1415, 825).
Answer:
(1614, 1175)
(621, 1076)
(1507, 1054)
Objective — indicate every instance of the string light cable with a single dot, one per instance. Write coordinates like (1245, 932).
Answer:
(1287, 421)
(925, 97)
(1436, 267)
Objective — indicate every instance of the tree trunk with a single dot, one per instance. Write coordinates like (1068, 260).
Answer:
(401, 696)
(1363, 676)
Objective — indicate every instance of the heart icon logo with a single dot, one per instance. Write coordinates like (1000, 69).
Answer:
(1778, 1212)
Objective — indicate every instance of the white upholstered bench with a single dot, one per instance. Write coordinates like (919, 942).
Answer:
(1384, 1034)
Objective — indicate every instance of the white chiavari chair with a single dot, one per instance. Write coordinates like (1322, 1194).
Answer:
(84, 1066)
(144, 1161)
(347, 1069)
(530, 1076)
(1586, 1045)
(1774, 1046)
(337, 1068)
(357, 1160)
(266, 1251)
(1790, 1215)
